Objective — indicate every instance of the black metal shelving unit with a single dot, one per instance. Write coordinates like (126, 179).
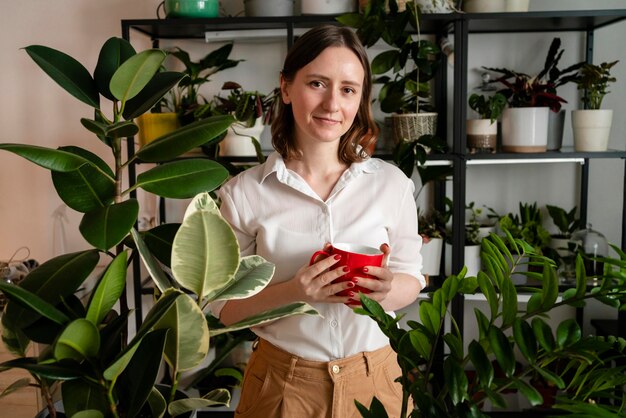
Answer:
(461, 26)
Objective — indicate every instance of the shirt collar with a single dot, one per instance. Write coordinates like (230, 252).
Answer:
(276, 164)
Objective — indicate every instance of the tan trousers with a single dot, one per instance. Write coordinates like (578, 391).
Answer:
(278, 384)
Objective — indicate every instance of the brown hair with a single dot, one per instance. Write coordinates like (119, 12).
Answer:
(363, 130)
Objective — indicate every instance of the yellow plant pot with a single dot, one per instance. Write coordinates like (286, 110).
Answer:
(154, 125)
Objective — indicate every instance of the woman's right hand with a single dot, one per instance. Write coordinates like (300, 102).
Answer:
(314, 283)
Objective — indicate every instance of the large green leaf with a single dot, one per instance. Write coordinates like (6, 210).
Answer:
(89, 187)
(140, 376)
(253, 275)
(79, 340)
(213, 398)
(484, 368)
(123, 129)
(156, 403)
(51, 159)
(159, 240)
(113, 53)
(184, 139)
(31, 301)
(82, 395)
(108, 290)
(525, 339)
(205, 253)
(15, 386)
(157, 274)
(53, 281)
(503, 350)
(67, 72)
(183, 179)
(65, 370)
(188, 339)
(298, 308)
(135, 73)
(103, 228)
(156, 88)
(567, 333)
(543, 333)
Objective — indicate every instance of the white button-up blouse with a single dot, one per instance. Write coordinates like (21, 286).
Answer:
(276, 215)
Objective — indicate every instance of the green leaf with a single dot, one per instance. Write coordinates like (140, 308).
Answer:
(188, 339)
(550, 376)
(420, 342)
(529, 392)
(135, 73)
(33, 302)
(298, 308)
(205, 253)
(97, 127)
(430, 317)
(138, 386)
(17, 385)
(489, 291)
(456, 346)
(53, 281)
(482, 365)
(67, 73)
(108, 290)
(123, 129)
(113, 53)
(89, 187)
(384, 61)
(156, 403)
(213, 398)
(567, 333)
(502, 349)
(183, 179)
(106, 227)
(184, 139)
(79, 340)
(543, 333)
(509, 303)
(253, 275)
(581, 277)
(50, 159)
(550, 287)
(456, 380)
(159, 241)
(157, 87)
(83, 396)
(65, 370)
(525, 339)
(156, 273)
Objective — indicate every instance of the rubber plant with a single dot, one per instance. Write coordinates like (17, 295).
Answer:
(591, 381)
(103, 370)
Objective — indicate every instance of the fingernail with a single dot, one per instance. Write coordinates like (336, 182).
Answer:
(337, 257)
(350, 284)
(355, 280)
(346, 269)
(351, 294)
(365, 270)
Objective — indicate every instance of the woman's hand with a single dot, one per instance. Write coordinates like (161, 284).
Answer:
(314, 283)
(380, 285)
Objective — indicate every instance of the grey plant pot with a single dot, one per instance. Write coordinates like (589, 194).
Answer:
(556, 122)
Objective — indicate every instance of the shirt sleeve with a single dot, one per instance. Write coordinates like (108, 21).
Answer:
(405, 241)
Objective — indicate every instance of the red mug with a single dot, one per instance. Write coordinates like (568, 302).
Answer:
(355, 257)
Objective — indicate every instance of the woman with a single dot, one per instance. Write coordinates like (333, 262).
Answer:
(321, 187)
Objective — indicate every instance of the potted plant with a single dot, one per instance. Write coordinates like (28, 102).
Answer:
(436, 382)
(252, 111)
(87, 349)
(482, 133)
(432, 228)
(413, 63)
(592, 125)
(471, 245)
(525, 120)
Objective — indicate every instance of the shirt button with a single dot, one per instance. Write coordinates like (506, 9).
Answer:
(336, 369)
(333, 323)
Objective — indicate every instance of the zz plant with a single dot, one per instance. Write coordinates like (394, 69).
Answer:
(592, 381)
(101, 369)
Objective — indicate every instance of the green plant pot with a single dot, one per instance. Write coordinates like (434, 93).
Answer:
(192, 8)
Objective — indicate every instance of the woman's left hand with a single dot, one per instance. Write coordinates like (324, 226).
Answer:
(380, 283)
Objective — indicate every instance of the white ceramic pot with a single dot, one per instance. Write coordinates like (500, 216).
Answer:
(485, 231)
(238, 143)
(525, 129)
(431, 256)
(328, 7)
(484, 6)
(436, 6)
(592, 129)
(482, 134)
(471, 255)
(268, 7)
(516, 5)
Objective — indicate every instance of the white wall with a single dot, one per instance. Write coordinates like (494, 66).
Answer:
(34, 110)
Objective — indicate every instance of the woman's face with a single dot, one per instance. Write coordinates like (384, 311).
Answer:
(325, 95)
